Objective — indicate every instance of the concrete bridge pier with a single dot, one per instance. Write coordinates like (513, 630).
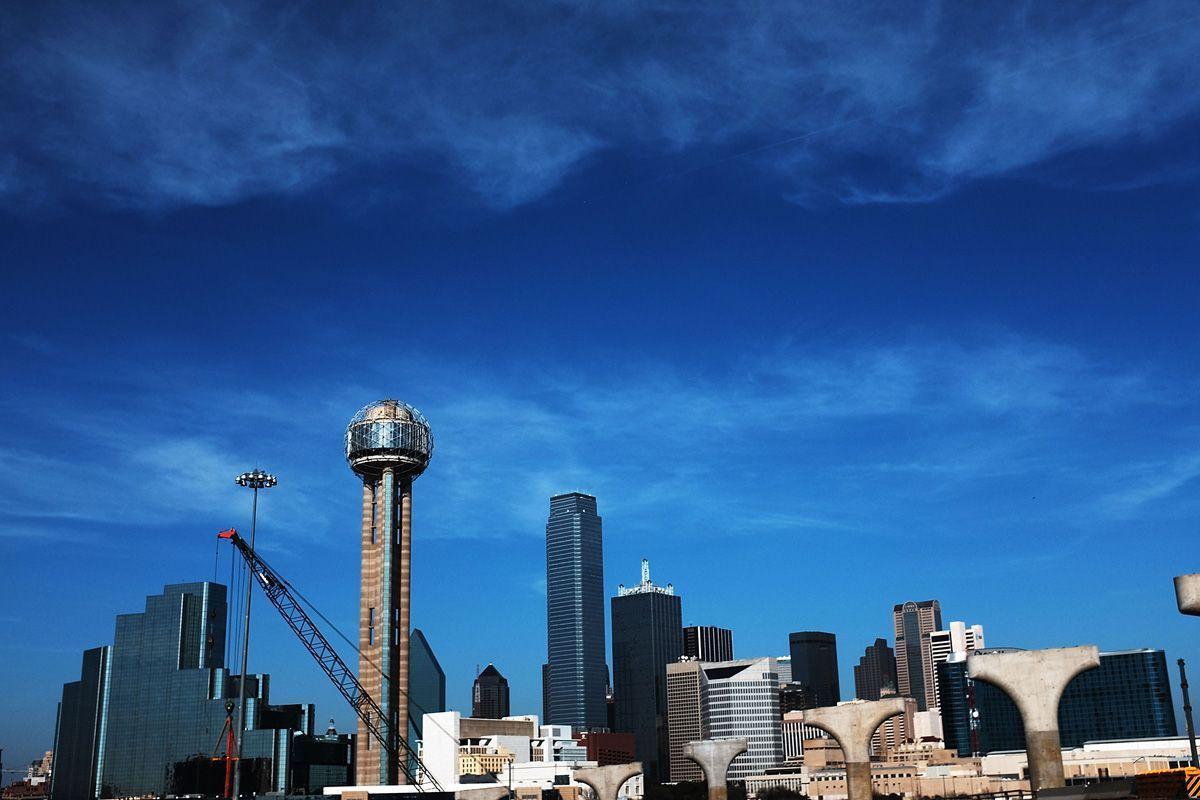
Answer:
(852, 725)
(1187, 594)
(606, 782)
(714, 757)
(1035, 680)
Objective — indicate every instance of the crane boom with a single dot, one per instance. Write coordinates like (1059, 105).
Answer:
(277, 591)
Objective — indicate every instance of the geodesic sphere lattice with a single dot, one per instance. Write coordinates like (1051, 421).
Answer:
(388, 433)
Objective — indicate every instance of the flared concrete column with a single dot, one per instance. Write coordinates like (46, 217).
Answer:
(1187, 594)
(1035, 680)
(607, 781)
(714, 757)
(852, 725)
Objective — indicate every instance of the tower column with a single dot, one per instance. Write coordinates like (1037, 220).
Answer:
(403, 621)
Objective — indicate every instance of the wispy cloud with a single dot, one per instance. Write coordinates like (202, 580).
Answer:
(177, 104)
(843, 441)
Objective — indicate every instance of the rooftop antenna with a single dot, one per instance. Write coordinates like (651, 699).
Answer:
(645, 571)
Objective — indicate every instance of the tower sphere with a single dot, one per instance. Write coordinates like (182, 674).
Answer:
(388, 433)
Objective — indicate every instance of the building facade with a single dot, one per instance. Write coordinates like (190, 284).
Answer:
(912, 621)
(937, 646)
(815, 665)
(1127, 697)
(146, 716)
(687, 717)
(875, 672)
(576, 675)
(647, 635)
(489, 694)
(742, 700)
(708, 643)
(426, 688)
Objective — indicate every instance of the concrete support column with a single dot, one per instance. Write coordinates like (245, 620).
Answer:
(1035, 680)
(606, 782)
(852, 725)
(714, 757)
(1187, 594)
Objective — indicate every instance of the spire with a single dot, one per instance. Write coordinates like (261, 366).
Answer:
(645, 571)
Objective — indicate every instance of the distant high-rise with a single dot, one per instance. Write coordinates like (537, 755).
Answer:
(912, 621)
(576, 674)
(725, 700)
(708, 643)
(426, 688)
(1127, 697)
(814, 665)
(78, 765)
(489, 695)
(937, 646)
(875, 672)
(647, 635)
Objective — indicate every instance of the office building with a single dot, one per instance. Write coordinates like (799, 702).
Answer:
(687, 720)
(796, 697)
(912, 621)
(426, 689)
(489, 695)
(726, 700)
(388, 445)
(576, 674)
(708, 643)
(815, 665)
(784, 665)
(937, 647)
(146, 714)
(647, 635)
(875, 672)
(1127, 697)
(606, 748)
(320, 761)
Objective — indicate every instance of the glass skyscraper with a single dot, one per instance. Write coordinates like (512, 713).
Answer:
(426, 688)
(647, 635)
(1127, 697)
(145, 717)
(815, 665)
(576, 673)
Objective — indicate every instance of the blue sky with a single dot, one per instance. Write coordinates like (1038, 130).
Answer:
(830, 308)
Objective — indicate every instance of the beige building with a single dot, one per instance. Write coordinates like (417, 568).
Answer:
(912, 622)
(685, 717)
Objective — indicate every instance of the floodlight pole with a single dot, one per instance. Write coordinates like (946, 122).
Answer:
(253, 480)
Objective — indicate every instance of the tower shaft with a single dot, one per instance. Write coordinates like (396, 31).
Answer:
(384, 621)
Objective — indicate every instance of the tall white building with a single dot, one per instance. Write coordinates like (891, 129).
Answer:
(936, 647)
(743, 703)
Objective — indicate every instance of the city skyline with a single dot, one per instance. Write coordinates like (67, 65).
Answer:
(830, 311)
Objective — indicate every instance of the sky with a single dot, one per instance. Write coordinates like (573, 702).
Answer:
(830, 306)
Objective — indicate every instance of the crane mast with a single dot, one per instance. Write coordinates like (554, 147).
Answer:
(278, 592)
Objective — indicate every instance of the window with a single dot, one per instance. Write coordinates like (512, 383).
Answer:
(370, 626)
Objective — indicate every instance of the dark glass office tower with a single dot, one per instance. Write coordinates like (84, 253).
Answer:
(426, 687)
(814, 665)
(875, 671)
(489, 695)
(708, 643)
(647, 635)
(576, 673)
(77, 736)
(1127, 697)
(157, 708)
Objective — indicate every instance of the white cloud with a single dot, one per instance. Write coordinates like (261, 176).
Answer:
(176, 104)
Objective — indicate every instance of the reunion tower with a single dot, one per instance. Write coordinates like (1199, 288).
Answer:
(388, 444)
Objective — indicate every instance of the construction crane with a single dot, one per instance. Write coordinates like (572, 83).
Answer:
(279, 592)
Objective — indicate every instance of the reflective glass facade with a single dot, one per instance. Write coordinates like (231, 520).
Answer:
(426, 687)
(153, 705)
(576, 672)
(815, 665)
(647, 634)
(1127, 697)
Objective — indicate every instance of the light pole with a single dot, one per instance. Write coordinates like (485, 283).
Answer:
(252, 480)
